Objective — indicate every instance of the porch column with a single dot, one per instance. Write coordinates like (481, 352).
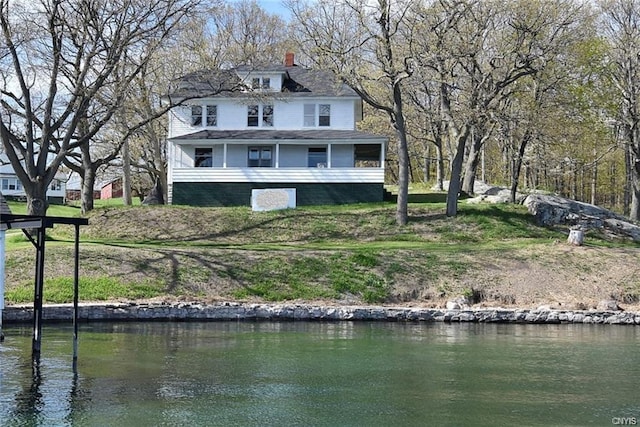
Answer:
(329, 155)
(277, 165)
(382, 149)
(224, 155)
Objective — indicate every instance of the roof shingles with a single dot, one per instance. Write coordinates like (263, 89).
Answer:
(298, 81)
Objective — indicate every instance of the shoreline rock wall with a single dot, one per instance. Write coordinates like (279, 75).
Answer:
(240, 311)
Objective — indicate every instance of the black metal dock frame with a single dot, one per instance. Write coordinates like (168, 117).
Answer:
(39, 224)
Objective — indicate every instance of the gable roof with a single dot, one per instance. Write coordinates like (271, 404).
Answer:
(297, 81)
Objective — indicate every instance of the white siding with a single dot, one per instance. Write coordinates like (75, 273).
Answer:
(287, 175)
(288, 115)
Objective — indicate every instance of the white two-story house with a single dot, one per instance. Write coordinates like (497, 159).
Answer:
(280, 126)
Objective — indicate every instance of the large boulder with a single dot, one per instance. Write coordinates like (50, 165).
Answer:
(487, 193)
(550, 210)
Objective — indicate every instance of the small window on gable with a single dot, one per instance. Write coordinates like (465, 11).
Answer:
(255, 83)
(309, 115)
(204, 157)
(252, 115)
(196, 115)
(324, 115)
(212, 115)
(266, 83)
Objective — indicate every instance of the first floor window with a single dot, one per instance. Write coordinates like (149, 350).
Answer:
(259, 157)
(204, 157)
(367, 155)
(11, 184)
(317, 157)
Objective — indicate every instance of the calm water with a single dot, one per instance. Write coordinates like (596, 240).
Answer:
(314, 374)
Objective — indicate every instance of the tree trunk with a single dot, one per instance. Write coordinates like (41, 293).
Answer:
(36, 198)
(456, 172)
(594, 182)
(634, 209)
(471, 167)
(439, 168)
(126, 174)
(517, 166)
(402, 214)
(88, 180)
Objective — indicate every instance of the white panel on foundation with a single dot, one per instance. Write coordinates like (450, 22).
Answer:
(273, 199)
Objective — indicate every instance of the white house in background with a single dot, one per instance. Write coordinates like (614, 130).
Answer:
(12, 188)
(287, 127)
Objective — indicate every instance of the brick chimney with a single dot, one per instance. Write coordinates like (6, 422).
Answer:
(289, 59)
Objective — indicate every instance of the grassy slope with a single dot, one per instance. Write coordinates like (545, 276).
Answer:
(349, 254)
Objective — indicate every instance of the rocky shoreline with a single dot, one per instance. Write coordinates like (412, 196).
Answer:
(190, 311)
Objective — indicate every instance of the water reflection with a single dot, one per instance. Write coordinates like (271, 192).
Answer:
(304, 373)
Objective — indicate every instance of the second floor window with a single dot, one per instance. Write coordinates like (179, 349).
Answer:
(207, 114)
(260, 115)
(324, 115)
(253, 118)
(212, 115)
(56, 185)
(196, 115)
(267, 115)
(317, 115)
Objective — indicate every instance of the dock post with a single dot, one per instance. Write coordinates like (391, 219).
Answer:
(2, 242)
(75, 294)
(37, 295)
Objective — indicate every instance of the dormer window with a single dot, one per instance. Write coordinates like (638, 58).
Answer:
(261, 83)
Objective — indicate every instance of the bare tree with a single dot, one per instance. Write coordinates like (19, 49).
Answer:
(621, 26)
(364, 44)
(66, 69)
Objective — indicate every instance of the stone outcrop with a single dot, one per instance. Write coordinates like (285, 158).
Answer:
(550, 210)
(239, 311)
